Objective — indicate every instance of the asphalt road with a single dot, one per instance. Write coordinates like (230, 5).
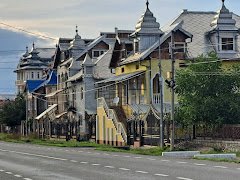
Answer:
(32, 162)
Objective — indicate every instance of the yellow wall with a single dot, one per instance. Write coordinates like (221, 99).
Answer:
(166, 67)
(108, 125)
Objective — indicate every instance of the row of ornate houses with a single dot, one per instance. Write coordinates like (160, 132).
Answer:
(108, 88)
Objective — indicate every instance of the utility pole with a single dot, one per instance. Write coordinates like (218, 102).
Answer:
(161, 129)
(173, 82)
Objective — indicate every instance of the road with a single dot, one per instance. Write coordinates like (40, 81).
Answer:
(33, 162)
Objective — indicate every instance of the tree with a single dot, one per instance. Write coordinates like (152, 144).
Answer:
(208, 93)
(13, 112)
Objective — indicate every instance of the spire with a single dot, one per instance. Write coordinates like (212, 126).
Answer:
(147, 3)
(76, 30)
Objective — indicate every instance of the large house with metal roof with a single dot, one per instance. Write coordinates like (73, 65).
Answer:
(32, 64)
(128, 108)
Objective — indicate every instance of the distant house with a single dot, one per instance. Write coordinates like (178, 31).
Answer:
(32, 65)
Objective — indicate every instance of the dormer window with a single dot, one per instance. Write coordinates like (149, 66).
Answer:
(97, 53)
(227, 44)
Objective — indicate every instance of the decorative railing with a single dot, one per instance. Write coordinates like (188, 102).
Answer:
(112, 115)
(156, 98)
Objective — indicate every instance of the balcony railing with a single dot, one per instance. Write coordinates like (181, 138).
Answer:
(156, 98)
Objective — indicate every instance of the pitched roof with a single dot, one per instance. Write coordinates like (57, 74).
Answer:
(167, 33)
(31, 85)
(199, 24)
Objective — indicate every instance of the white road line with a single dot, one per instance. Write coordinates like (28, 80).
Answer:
(127, 156)
(83, 162)
(89, 152)
(97, 153)
(197, 164)
(67, 150)
(111, 167)
(143, 172)
(96, 164)
(151, 159)
(8, 172)
(181, 162)
(27, 179)
(163, 160)
(183, 178)
(106, 154)
(115, 155)
(74, 161)
(124, 169)
(163, 175)
(223, 167)
(138, 157)
(1, 170)
(80, 151)
(238, 168)
(16, 175)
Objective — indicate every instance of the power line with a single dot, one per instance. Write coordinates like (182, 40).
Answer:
(28, 32)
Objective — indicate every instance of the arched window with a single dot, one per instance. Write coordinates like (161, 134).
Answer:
(156, 86)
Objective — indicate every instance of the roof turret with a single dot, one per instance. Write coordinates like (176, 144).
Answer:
(223, 18)
(88, 61)
(147, 24)
(77, 42)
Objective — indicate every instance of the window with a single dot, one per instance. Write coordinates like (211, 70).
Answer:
(227, 44)
(97, 53)
(137, 66)
(179, 47)
(122, 70)
(38, 75)
(81, 93)
(32, 75)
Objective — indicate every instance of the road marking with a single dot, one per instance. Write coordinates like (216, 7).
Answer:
(16, 175)
(163, 175)
(197, 164)
(151, 159)
(223, 167)
(238, 168)
(83, 162)
(111, 167)
(181, 162)
(96, 164)
(80, 151)
(124, 169)
(8, 172)
(127, 156)
(143, 172)
(163, 160)
(115, 155)
(106, 154)
(74, 161)
(67, 150)
(27, 179)
(1, 170)
(97, 153)
(89, 152)
(137, 157)
(183, 178)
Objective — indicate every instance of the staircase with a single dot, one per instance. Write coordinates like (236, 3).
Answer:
(117, 116)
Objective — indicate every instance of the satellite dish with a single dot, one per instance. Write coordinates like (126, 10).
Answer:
(116, 100)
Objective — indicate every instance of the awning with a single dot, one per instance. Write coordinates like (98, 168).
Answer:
(121, 77)
(48, 112)
(60, 115)
(54, 93)
(75, 77)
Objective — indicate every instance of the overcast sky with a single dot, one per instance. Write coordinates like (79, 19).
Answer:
(57, 18)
